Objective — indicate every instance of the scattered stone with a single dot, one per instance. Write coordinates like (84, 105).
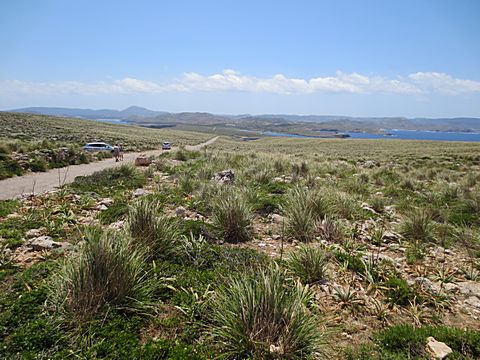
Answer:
(14, 216)
(101, 207)
(369, 164)
(140, 192)
(143, 160)
(437, 349)
(43, 243)
(427, 285)
(276, 237)
(262, 244)
(451, 287)
(118, 225)
(225, 177)
(276, 218)
(107, 202)
(34, 233)
(180, 211)
(391, 236)
(473, 301)
(469, 288)
(367, 207)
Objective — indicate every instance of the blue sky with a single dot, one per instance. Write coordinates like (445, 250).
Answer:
(365, 58)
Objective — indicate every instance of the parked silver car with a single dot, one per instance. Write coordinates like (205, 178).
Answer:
(98, 146)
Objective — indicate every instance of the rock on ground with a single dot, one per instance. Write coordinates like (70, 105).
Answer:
(43, 243)
(437, 349)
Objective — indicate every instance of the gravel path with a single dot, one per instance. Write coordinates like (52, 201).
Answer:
(41, 182)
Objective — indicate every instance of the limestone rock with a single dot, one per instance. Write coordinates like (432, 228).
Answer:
(33, 233)
(469, 288)
(225, 177)
(473, 301)
(140, 192)
(43, 243)
(437, 349)
(276, 218)
(107, 202)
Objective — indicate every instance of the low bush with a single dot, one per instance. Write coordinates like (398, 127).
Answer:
(418, 226)
(398, 291)
(409, 342)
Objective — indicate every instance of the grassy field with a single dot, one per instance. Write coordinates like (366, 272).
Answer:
(351, 249)
(34, 142)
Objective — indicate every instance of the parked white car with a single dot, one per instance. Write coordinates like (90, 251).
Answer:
(166, 146)
(98, 146)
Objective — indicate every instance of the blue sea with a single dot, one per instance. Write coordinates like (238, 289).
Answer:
(418, 135)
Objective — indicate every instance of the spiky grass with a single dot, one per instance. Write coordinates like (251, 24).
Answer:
(106, 273)
(419, 226)
(232, 216)
(303, 207)
(152, 230)
(262, 317)
(309, 264)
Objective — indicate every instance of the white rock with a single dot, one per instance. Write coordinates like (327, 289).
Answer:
(437, 349)
(117, 225)
(277, 219)
(101, 207)
(33, 233)
(473, 301)
(139, 192)
(469, 288)
(43, 243)
(106, 202)
(276, 237)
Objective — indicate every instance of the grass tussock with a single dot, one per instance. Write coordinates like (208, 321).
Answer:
(106, 273)
(232, 216)
(264, 317)
(309, 264)
(152, 230)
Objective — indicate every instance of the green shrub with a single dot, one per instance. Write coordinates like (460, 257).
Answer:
(308, 264)
(115, 212)
(409, 341)
(107, 272)
(232, 217)
(262, 317)
(8, 207)
(300, 215)
(38, 165)
(398, 291)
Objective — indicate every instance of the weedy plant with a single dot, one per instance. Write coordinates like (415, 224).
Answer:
(232, 216)
(309, 264)
(106, 273)
(151, 229)
(264, 317)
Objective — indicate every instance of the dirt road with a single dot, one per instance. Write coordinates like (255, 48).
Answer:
(41, 182)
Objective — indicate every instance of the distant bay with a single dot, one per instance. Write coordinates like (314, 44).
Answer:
(417, 135)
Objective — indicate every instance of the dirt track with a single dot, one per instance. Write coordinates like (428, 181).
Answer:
(41, 182)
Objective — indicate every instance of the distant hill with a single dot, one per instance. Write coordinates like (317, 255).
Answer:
(132, 111)
(267, 122)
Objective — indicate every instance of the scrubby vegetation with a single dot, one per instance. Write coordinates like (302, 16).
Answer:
(37, 143)
(308, 249)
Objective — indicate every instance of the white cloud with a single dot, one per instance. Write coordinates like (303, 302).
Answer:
(444, 83)
(231, 80)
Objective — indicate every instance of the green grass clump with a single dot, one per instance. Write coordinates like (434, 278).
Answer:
(232, 216)
(299, 209)
(308, 264)
(108, 272)
(419, 225)
(103, 182)
(115, 212)
(8, 206)
(262, 317)
(152, 230)
(398, 291)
